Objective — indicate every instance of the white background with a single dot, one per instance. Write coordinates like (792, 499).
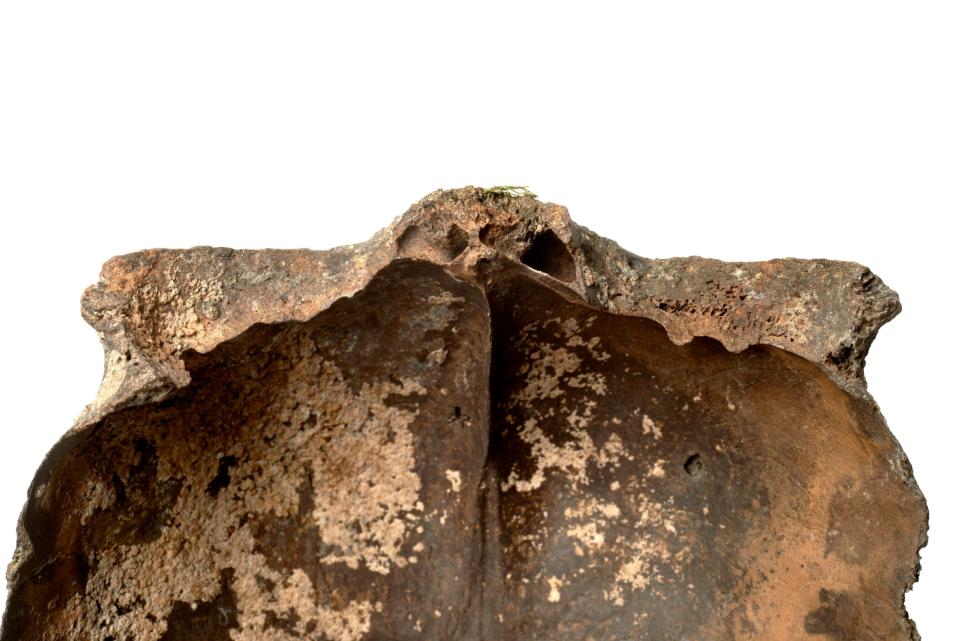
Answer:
(724, 129)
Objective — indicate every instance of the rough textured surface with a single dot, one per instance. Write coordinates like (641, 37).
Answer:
(485, 423)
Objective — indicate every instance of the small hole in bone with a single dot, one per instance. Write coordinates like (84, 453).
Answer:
(488, 235)
(457, 241)
(416, 241)
(549, 255)
(693, 465)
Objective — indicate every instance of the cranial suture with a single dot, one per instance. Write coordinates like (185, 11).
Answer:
(485, 423)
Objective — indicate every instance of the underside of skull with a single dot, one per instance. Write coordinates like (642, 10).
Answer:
(486, 458)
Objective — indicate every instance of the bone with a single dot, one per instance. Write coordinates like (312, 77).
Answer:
(485, 423)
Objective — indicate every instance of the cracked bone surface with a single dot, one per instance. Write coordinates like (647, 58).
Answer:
(485, 423)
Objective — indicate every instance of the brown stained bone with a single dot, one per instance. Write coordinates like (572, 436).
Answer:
(486, 423)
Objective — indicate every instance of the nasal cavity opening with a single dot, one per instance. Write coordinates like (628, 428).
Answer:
(549, 255)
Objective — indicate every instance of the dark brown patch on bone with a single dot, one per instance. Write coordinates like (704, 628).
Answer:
(222, 479)
(207, 620)
(836, 618)
(143, 503)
